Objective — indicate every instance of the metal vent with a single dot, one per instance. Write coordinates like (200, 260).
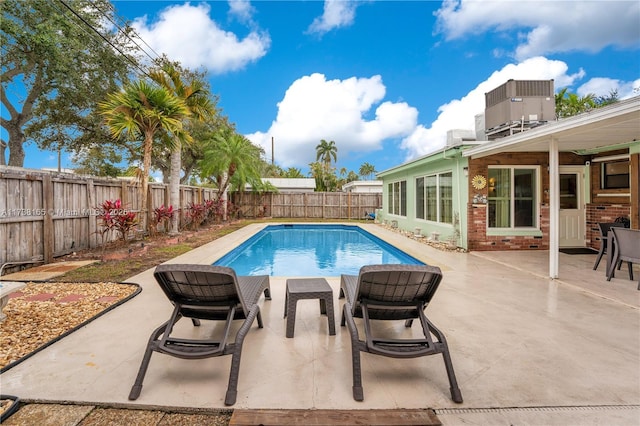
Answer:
(496, 96)
(534, 88)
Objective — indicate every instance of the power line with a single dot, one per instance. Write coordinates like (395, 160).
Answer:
(123, 32)
(135, 64)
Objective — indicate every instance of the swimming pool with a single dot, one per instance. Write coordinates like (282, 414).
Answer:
(311, 250)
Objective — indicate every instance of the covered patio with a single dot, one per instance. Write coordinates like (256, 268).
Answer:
(526, 349)
(611, 128)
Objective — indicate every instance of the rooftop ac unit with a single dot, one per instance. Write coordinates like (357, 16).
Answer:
(518, 105)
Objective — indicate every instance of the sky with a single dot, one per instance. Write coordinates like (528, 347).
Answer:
(384, 80)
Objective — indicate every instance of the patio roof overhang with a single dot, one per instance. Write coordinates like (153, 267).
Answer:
(608, 128)
(611, 127)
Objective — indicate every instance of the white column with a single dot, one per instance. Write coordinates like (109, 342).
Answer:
(554, 207)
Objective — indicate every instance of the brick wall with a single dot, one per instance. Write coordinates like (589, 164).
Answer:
(597, 213)
(477, 213)
(479, 240)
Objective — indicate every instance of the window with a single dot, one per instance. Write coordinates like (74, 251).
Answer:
(615, 175)
(398, 198)
(513, 197)
(434, 197)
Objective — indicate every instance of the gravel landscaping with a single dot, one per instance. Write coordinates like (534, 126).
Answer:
(42, 312)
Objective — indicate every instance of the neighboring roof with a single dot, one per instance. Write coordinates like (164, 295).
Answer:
(613, 126)
(363, 183)
(284, 184)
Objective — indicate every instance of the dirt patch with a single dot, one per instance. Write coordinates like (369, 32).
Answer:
(120, 261)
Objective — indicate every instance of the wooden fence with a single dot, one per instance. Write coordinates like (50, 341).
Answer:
(44, 215)
(308, 205)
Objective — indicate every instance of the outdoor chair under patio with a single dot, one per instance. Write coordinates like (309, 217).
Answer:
(393, 292)
(205, 292)
(604, 231)
(627, 249)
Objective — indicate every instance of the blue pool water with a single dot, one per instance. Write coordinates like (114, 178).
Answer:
(311, 250)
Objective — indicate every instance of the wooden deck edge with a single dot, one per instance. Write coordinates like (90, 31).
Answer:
(313, 417)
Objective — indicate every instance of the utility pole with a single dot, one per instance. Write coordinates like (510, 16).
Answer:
(272, 155)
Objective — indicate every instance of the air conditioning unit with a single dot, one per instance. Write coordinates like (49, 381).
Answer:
(518, 105)
(457, 137)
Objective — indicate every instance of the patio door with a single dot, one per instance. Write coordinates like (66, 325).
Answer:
(572, 209)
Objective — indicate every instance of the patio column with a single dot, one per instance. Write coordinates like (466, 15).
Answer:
(554, 207)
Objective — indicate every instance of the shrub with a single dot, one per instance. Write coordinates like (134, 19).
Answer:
(114, 217)
(162, 215)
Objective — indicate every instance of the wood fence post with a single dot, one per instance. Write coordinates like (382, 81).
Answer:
(92, 217)
(47, 227)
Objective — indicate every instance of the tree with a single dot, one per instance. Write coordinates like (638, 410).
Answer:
(325, 151)
(98, 161)
(367, 170)
(317, 171)
(352, 176)
(141, 110)
(232, 161)
(55, 69)
(196, 97)
(570, 104)
(293, 172)
(611, 98)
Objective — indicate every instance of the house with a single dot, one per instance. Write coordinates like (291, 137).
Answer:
(291, 184)
(429, 195)
(536, 184)
(363, 186)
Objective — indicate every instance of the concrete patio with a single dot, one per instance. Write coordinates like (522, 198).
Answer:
(526, 349)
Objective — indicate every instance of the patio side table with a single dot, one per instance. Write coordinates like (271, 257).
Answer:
(308, 288)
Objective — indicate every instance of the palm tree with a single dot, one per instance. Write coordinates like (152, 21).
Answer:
(196, 97)
(293, 172)
(570, 104)
(325, 151)
(139, 111)
(367, 170)
(231, 158)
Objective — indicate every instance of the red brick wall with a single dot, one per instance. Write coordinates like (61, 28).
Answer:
(479, 240)
(597, 213)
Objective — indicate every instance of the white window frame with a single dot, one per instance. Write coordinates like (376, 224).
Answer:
(512, 212)
(438, 201)
(402, 199)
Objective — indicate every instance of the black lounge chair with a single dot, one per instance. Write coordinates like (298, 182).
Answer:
(393, 292)
(204, 292)
(627, 249)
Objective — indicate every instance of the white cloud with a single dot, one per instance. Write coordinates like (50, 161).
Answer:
(602, 86)
(242, 10)
(546, 26)
(314, 108)
(187, 34)
(337, 13)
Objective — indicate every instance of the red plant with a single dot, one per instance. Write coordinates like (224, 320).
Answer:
(196, 214)
(163, 215)
(114, 217)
